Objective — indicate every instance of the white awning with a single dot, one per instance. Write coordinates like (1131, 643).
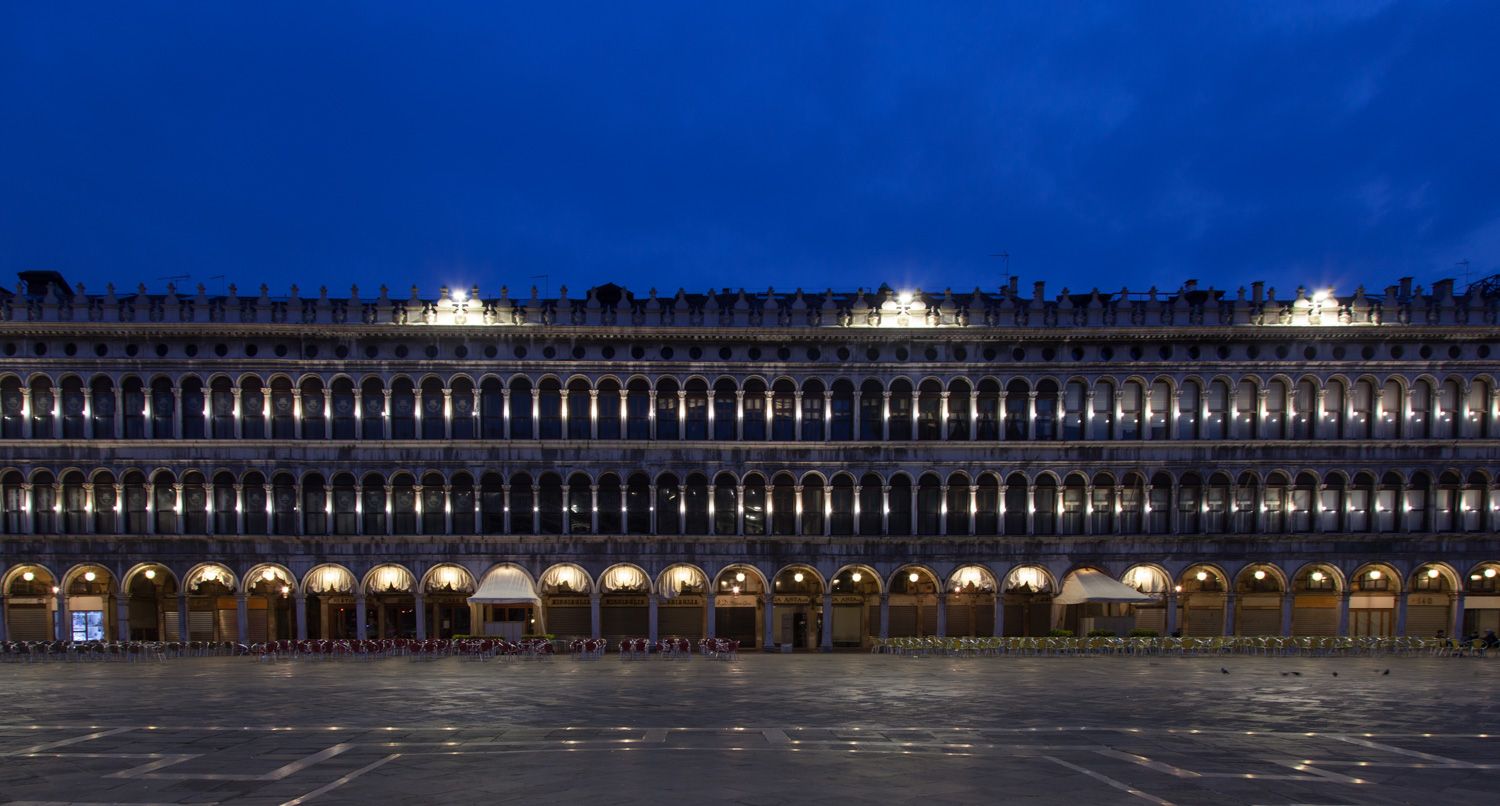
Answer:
(1088, 585)
(505, 585)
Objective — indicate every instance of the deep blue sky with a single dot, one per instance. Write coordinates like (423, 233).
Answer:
(710, 145)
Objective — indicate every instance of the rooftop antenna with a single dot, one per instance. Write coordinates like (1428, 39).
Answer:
(1464, 264)
(1005, 275)
(182, 277)
(218, 277)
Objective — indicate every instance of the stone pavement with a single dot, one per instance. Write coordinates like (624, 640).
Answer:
(838, 728)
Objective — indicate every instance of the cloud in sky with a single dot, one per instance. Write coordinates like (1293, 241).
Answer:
(789, 146)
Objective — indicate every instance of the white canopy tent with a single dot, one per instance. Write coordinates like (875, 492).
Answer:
(1088, 585)
(506, 585)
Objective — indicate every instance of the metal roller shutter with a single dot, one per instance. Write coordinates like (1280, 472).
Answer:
(903, 620)
(1424, 621)
(30, 623)
(570, 622)
(624, 622)
(1259, 621)
(680, 622)
(1204, 621)
(1315, 621)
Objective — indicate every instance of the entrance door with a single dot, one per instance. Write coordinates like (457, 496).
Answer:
(1370, 622)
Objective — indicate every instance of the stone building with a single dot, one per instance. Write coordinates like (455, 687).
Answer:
(805, 469)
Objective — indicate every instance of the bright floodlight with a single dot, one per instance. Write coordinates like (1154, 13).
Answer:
(1259, 574)
(28, 576)
(1432, 573)
(797, 577)
(912, 577)
(1320, 296)
(457, 295)
(739, 577)
(1489, 573)
(1317, 576)
(857, 576)
(151, 573)
(89, 576)
(1202, 576)
(904, 297)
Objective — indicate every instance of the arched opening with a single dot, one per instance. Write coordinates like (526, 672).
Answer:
(753, 415)
(783, 410)
(668, 505)
(461, 502)
(1429, 605)
(856, 606)
(492, 507)
(1315, 601)
(565, 592)
(434, 501)
(783, 505)
(314, 415)
(523, 510)
(930, 410)
(491, 409)
(432, 413)
(971, 602)
(1202, 598)
(102, 408)
(150, 591)
(446, 590)
(345, 409)
(695, 504)
(913, 604)
(213, 613)
(738, 604)
(521, 403)
(330, 602)
(624, 607)
(899, 506)
(194, 409)
(798, 600)
(283, 411)
(987, 411)
(611, 517)
(549, 503)
(957, 515)
(580, 505)
(841, 505)
(755, 504)
(669, 411)
(608, 409)
(549, 405)
(580, 418)
(1374, 589)
(461, 414)
(726, 414)
(390, 603)
(1260, 598)
(898, 422)
(812, 410)
(681, 610)
(90, 604)
(269, 613)
(30, 604)
(1028, 601)
(841, 411)
(871, 411)
(638, 409)
(1482, 600)
(252, 408)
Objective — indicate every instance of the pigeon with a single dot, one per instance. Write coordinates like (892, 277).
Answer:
(1386, 672)
(1335, 674)
(1222, 669)
(1283, 674)
(1299, 674)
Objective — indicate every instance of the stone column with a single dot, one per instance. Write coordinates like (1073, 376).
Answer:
(360, 620)
(827, 642)
(447, 413)
(1229, 601)
(242, 618)
(769, 639)
(177, 412)
(1400, 614)
(1457, 626)
(974, 414)
(681, 414)
(505, 410)
(594, 415)
(420, 605)
(651, 506)
(1287, 602)
(4, 619)
(739, 503)
(999, 631)
(942, 615)
(594, 508)
(122, 618)
(299, 601)
(567, 515)
(595, 628)
(1171, 621)
(739, 418)
(885, 509)
(942, 510)
(1343, 612)
(710, 625)
(1031, 509)
(183, 633)
(652, 615)
(885, 615)
(651, 414)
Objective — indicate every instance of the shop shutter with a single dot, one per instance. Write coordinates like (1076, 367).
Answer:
(680, 622)
(570, 622)
(1320, 621)
(1259, 621)
(1204, 621)
(903, 620)
(30, 623)
(1423, 621)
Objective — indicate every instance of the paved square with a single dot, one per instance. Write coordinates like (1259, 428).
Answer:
(760, 730)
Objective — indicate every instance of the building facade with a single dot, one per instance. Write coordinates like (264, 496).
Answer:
(784, 468)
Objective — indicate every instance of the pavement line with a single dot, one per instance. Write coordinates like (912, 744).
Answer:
(332, 785)
(42, 748)
(775, 736)
(1120, 785)
(1401, 751)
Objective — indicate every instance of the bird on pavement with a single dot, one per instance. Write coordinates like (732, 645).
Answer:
(1222, 669)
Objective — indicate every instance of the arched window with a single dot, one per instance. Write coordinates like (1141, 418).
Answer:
(841, 505)
(522, 503)
(725, 414)
(929, 505)
(1360, 495)
(695, 504)
(314, 505)
(1045, 519)
(1216, 408)
(695, 417)
(1330, 502)
(1160, 410)
(1074, 496)
(194, 408)
(1216, 504)
(841, 406)
(987, 505)
(314, 422)
(133, 408)
(987, 411)
(929, 410)
(520, 411)
(1189, 406)
(1477, 402)
(492, 503)
(1246, 503)
(345, 409)
(1075, 395)
(871, 504)
(667, 413)
(812, 411)
(959, 400)
(372, 409)
(1016, 504)
(812, 506)
(163, 410)
(1419, 503)
(956, 515)
(1333, 408)
(44, 505)
(434, 499)
(461, 417)
(1102, 426)
(726, 507)
(1046, 411)
(1276, 410)
(14, 502)
(1277, 503)
(898, 424)
(403, 411)
(753, 423)
(256, 500)
(1446, 414)
(871, 411)
(1102, 504)
(580, 505)
(283, 504)
(1246, 410)
(610, 520)
(549, 409)
(1446, 504)
(638, 504)
(283, 412)
(638, 410)
(1305, 409)
(1304, 503)
(899, 521)
(579, 418)
(608, 402)
(1132, 504)
(783, 411)
(491, 409)
(373, 504)
(1362, 411)
(668, 504)
(403, 504)
(783, 505)
(102, 407)
(345, 505)
(434, 418)
(755, 504)
(1159, 505)
(44, 409)
(252, 409)
(75, 504)
(549, 502)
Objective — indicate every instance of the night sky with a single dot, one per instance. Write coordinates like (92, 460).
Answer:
(756, 144)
